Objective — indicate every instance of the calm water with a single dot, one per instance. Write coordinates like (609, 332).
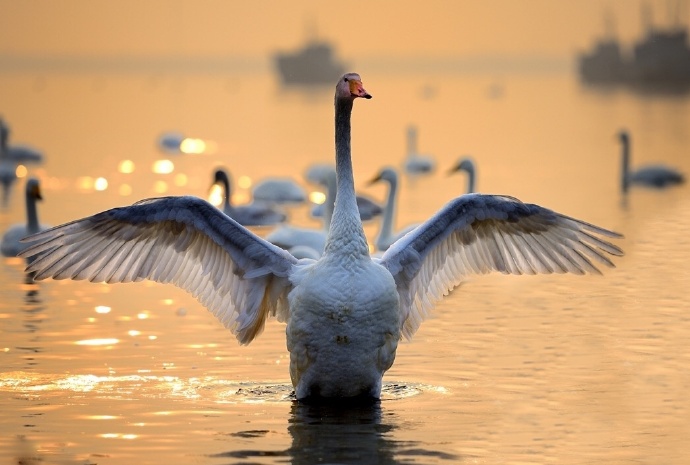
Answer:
(548, 369)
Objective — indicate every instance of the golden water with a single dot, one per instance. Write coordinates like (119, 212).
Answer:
(547, 369)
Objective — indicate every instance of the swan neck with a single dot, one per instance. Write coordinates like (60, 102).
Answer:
(346, 234)
(471, 175)
(227, 194)
(625, 165)
(411, 142)
(389, 210)
(31, 214)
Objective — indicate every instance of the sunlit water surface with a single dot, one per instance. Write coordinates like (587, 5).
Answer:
(547, 369)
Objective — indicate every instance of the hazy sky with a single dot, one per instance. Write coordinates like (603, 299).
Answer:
(371, 28)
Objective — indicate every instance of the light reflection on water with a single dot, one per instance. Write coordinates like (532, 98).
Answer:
(508, 369)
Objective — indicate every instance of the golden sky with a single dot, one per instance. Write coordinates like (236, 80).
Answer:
(372, 28)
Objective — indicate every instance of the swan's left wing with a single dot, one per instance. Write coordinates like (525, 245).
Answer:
(185, 241)
(477, 234)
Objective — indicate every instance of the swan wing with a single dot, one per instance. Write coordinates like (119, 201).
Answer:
(184, 241)
(477, 234)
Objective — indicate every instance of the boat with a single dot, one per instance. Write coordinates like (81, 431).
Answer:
(313, 64)
(660, 59)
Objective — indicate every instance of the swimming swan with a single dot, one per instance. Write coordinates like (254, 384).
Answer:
(386, 236)
(11, 244)
(345, 312)
(415, 162)
(658, 176)
(254, 214)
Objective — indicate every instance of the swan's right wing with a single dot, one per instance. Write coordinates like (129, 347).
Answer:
(477, 234)
(184, 241)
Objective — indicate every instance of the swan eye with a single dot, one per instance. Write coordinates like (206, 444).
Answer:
(346, 79)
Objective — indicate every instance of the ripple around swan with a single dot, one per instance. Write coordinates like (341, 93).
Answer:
(150, 386)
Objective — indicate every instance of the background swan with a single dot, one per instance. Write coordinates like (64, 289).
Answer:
(10, 246)
(386, 235)
(291, 237)
(415, 162)
(658, 176)
(279, 190)
(467, 165)
(11, 156)
(345, 312)
(254, 214)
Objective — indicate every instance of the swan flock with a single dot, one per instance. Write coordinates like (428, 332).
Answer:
(345, 312)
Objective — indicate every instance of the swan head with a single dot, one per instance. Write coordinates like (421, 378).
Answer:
(623, 136)
(464, 164)
(220, 176)
(386, 174)
(350, 87)
(33, 189)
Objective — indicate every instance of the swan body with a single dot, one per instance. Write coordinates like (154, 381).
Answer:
(279, 190)
(386, 235)
(345, 312)
(467, 165)
(254, 214)
(657, 176)
(415, 162)
(11, 244)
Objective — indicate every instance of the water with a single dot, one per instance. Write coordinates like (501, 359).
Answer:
(509, 369)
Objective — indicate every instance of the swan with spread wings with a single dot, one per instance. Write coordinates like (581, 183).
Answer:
(346, 311)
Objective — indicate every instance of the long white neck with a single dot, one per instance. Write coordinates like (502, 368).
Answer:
(388, 213)
(346, 234)
(32, 225)
(471, 179)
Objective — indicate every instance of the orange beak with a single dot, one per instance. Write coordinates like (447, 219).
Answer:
(357, 90)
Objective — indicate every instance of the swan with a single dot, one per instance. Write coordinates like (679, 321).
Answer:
(651, 176)
(466, 164)
(386, 236)
(290, 237)
(10, 157)
(10, 246)
(416, 163)
(279, 190)
(345, 312)
(254, 214)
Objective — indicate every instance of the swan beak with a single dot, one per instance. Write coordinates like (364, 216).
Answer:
(374, 180)
(357, 89)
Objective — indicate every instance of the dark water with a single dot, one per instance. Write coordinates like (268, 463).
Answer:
(565, 369)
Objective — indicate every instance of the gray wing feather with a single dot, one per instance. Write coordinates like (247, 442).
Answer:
(478, 234)
(184, 241)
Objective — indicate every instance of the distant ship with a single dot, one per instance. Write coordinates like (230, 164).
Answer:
(313, 64)
(661, 58)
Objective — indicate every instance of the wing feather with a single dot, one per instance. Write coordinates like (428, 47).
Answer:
(477, 234)
(239, 277)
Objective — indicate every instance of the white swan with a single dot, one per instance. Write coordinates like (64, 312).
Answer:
(254, 214)
(345, 312)
(293, 237)
(415, 162)
(467, 165)
(386, 236)
(10, 157)
(658, 176)
(11, 244)
(279, 190)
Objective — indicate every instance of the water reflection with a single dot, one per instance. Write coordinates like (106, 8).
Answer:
(32, 313)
